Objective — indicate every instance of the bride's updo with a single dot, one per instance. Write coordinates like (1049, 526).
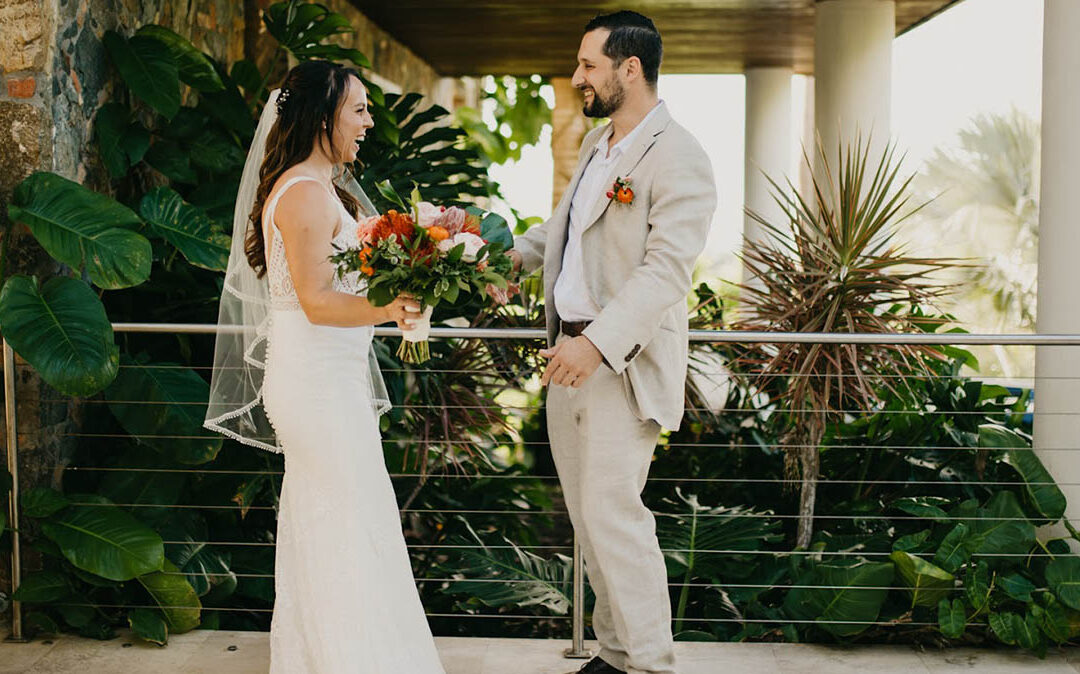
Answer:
(307, 106)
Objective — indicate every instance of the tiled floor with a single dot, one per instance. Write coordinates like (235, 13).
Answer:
(207, 652)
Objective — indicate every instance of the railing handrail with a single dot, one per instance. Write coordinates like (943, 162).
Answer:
(715, 336)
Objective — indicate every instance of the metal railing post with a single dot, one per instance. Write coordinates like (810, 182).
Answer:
(577, 646)
(13, 495)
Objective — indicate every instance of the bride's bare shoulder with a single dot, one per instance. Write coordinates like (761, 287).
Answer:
(305, 203)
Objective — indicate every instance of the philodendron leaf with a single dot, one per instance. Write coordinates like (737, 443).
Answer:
(1039, 486)
(42, 587)
(82, 228)
(955, 550)
(195, 67)
(1002, 626)
(105, 541)
(977, 585)
(172, 425)
(42, 501)
(174, 595)
(1017, 587)
(148, 68)
(1063, 577)
(148, 624)
(186, 227)
(951, 618)
(928, 584)
(930, 507)
(60, 329)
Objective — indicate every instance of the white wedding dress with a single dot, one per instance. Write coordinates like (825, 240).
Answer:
(346, 599)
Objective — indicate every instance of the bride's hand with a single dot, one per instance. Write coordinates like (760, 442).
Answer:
(403, 311)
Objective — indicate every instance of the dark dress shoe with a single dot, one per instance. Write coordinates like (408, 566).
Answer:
(597, 666)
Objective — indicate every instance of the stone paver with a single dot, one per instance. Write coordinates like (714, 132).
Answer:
(209, 652)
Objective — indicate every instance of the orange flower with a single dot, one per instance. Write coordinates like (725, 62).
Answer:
(365, 268)
(438, 233)
(625, 195)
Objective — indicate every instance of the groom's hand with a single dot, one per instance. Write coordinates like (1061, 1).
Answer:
(572, 362)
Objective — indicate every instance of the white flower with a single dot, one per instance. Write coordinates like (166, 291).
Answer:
(427, 213)
(473, 244)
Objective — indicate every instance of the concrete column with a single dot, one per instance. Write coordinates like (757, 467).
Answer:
(1057, 369)
(568, 129)
(768, 145)
(853, 72)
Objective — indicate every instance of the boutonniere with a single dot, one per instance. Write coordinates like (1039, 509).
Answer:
(621, 191)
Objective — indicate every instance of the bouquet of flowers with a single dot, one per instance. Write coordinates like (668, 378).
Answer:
(434, 253)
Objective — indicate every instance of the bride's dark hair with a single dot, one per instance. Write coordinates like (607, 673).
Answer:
(307, 107)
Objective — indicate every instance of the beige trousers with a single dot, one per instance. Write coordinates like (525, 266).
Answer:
(602, 452)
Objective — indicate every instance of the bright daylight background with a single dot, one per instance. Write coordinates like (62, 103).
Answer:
(982, 56)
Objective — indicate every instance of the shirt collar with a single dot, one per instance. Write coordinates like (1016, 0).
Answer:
(628, 139)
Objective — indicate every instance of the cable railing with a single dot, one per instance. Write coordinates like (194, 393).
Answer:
(576, 613)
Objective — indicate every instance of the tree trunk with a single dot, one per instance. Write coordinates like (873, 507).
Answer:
(809, 462)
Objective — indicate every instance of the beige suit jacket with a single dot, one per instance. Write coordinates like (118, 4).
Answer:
(639, 259)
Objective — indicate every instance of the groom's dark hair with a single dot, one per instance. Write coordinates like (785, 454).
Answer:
(632, 34)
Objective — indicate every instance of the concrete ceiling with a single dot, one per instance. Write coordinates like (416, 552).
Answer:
(497, 37)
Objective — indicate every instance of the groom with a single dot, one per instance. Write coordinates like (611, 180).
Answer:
(617, 255)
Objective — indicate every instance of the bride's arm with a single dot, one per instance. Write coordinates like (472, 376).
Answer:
(306, 219)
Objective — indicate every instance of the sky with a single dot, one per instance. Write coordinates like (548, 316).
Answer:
(980, 56)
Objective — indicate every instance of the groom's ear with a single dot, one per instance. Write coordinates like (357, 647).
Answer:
(632, 70)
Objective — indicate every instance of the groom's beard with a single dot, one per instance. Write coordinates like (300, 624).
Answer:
(604, 105)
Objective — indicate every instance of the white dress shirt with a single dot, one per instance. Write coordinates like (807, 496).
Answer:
(572, 298)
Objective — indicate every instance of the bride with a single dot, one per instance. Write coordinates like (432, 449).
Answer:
(294, 373)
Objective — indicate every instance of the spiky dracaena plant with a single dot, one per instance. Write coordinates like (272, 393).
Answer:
(835, 265)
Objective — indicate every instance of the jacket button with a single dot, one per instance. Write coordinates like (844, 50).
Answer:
(633, 352)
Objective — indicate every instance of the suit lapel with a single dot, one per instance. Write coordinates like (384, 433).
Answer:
(562, 222)
(630, 159)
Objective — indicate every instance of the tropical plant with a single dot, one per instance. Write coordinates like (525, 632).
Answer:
(834, 265)
(519, 113)
(986, 206)
(173, 139)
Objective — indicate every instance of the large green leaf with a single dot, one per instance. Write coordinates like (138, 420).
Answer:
(303, 28)
(1041, 489)
(106, 541)
(955, 550)
(532, 580)
(172, 160)
(1002, 528)
(149, 625)
(42, 501)
(951, 618)
(187, 227)
(78, 227)
(195, 67)
(1063, 577)
(175, 597)
(848, 601)
(216, 152)
(60, 329)
(121, 141)
(699, 527)
(206, 567)
(1016, 586)
(163, 405)
(977, 586)
(927, 583)
(42, 587)
(149, 69)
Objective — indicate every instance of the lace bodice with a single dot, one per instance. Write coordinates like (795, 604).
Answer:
(282, 291)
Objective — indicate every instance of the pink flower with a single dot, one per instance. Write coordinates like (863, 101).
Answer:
(365, 230)
(452, 220)
(428, 213)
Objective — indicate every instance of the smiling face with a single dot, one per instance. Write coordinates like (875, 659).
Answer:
(351, 123)
(598, 77)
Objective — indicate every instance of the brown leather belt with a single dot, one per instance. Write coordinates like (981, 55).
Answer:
(573, 328)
